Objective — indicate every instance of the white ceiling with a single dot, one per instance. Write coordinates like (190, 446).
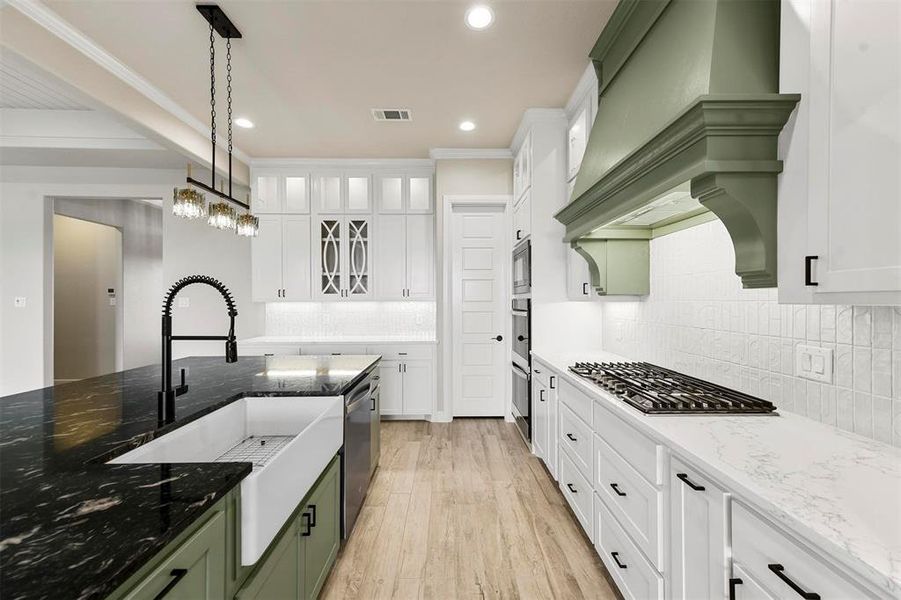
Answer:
(308, 72)
(23, 86)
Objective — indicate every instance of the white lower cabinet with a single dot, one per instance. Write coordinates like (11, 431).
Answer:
(391, 382)
(578, 492)
(634, 576)
(406, 377)
(743, 586)
(699, 559)
(545, 416)
(540, 432)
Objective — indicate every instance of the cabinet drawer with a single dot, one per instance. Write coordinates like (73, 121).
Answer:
(391, 352)
(577, 492)
(634, 576)
(575, 436)
(268, 349)
(746, 587)
(641, 452)
(637, 505)
(542, 373)
(778, 562)
(578, 401)
(326, 349)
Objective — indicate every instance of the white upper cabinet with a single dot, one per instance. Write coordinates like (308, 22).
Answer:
(522, 168)
(337, 194)
(297, 194)
(391, 194)
(405, 257)
(577, 139)
(327, 190)
(358, 199)
(267, 196)
(420, 257)
(522, 218)
(419, 195)
(839, 207)
(344, 257)
(280, 258)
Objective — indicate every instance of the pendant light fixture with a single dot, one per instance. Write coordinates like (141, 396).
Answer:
(189, 201)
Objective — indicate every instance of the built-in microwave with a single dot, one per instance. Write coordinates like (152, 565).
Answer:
(522, 268)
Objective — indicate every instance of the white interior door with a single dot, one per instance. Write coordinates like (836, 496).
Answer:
(479, 307)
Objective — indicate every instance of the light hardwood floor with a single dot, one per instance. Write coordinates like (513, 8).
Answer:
(463, 510)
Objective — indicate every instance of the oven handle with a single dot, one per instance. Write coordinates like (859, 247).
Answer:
(519, 313)
(519, 372)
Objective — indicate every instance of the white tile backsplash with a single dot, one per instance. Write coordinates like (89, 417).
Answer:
(342, 320)
(700, 321)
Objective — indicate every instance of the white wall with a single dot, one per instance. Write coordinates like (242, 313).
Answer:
(25, 251)
(698, 320)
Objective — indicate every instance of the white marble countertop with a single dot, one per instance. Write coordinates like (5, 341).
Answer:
(838, 491)
(343, 339)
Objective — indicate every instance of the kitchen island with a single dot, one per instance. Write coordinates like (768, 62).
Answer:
(72, 526)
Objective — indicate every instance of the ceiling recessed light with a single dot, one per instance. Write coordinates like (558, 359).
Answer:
(467, 126)
(479, 17)
(245, 123)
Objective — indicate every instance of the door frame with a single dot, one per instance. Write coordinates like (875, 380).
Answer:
(452, 203)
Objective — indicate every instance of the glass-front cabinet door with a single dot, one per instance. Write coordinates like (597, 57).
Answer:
(331, 284)
(358, 258)
(345, 257)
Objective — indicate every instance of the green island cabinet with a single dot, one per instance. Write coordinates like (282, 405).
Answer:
(204, 562)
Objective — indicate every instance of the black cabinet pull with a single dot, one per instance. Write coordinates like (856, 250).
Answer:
(305, 520)
(176, 575)
(808, 270)
(616, 489)
(541, 395)
(519, 234)
(687, 481)
(732, 583)
(585, 289)
(571, 436)
(553, 382)
(779, 570)
(572, 488)
(312, 508)
(536, 370)
(615, 556)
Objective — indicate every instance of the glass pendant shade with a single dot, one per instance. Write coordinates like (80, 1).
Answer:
(248, 225)
(188, 203)
(222, 216)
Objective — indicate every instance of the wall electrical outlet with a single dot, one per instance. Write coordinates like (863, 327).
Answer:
(19, 302)
(813, 362)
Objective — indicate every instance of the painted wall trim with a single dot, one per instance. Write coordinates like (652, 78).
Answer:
(470, 153)
(52, 22)
(530, 118)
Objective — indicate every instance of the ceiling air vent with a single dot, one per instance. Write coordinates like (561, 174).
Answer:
(392, 114)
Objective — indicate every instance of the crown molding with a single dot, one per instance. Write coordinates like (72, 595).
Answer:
(588, 83)
(531, 117)
(52, 22)
(344, 163)
(470, 153)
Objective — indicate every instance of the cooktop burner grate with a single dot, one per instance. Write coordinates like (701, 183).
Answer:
(655, 390)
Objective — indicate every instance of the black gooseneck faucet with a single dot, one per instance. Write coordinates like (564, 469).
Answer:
(166, 396)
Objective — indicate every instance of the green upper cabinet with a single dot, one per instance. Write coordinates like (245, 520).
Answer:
(689, 94)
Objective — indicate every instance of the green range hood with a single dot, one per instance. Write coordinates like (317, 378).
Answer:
(688, 101)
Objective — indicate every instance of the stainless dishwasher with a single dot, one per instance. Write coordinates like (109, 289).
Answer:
(357, 456)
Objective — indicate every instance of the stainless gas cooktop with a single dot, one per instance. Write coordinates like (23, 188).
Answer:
(655, 390)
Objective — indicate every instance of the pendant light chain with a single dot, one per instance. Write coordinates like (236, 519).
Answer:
(228, 79)
(213, 103)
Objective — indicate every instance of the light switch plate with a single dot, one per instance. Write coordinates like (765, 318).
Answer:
(19, 302)
(814, 363)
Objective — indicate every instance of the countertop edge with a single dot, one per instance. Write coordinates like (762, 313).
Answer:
(862, 569)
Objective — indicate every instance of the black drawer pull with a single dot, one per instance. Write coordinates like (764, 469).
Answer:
(305, 520)
(615, 556)
(732, 583)
(687, 481)
(571, 436)
(312, 508)
(617, 490)
(779, 570)
(572, 488)
(553, 382)
(176, 575)
(585, 289)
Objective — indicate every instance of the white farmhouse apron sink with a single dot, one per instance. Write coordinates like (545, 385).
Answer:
(290, 440)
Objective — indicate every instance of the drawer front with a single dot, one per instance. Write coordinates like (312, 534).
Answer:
(637, 505)
(778, 562)
(326, 349)
(745, 587)
(633, 574)
(575, 436)
(641, 452)
(577, 401)
(541, 372)
(267, 349)
(399, 352)
(578, 493)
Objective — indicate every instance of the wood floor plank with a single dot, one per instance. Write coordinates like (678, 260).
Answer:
(464, 510)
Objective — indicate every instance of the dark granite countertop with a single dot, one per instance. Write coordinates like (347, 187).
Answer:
(72, 526)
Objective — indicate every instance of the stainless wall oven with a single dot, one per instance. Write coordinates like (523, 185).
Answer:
(522, 268)
(522, 332)
(522, 401)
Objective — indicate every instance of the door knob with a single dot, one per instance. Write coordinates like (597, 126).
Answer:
(499, 338)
